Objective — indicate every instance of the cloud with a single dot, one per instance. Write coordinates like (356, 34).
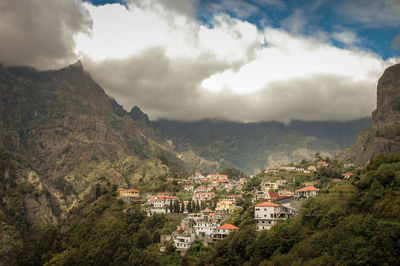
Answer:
(377, 13)
(295, 22)
(346, 37)
(239, 8)
(396, 43)
(180, 69)
(40, 33)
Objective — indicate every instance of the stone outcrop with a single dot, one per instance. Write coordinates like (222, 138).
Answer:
(383, 136)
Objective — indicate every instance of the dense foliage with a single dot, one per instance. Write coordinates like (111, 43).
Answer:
(355, 223)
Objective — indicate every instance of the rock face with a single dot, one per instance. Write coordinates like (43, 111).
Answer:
(383, 136)
(388, 99)
(62, 125)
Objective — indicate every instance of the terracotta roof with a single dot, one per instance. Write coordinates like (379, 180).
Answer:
(309, 188)
(170, 197)
(273, 194)
(228, 227)
(212, 214)
(347, 174)
(267, 204)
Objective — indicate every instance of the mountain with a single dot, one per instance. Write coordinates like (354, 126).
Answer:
(255, 146)
(383, 135)
(61, 137)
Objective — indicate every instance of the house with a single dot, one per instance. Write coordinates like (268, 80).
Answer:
(211, 188)
(306, 192)
(196, 177)
(201, 189)
(272, 195)
(270, 185)
(322, 164)
(272, 170)
(203, 196)
(129, 193)
(170, 199)
(223, 231)
(226, 205)
(266, 214)
(312, 168)
(242, 180)
(213, 177)
(347, 175)
(205, 228)
(285, 193)
(281, 182)
(188, 188)
(183, 242)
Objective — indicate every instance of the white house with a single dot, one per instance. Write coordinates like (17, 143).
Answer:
(182, 243)
(306, 192)
(223, 231)
(266, 215)
(205, 229)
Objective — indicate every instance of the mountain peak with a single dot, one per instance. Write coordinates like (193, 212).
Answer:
(138, 115)
(77, 64)
(388, 98)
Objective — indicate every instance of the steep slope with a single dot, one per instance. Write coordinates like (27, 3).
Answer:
(70, 135)
(383, 135)
(254, 146)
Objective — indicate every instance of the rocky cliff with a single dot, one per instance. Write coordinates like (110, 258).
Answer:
(61, 135)
(383, 136)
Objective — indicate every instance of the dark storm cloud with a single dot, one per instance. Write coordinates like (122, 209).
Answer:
(40, 33)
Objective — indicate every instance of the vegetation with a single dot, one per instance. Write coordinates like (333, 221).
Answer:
(355, 223)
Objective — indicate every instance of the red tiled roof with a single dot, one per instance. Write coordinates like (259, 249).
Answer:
(309, 188)
(267, 204)
(170, 197)
(273, 194)
(204, 193)
(132, 189)
(228, 227)
(212, 214)
(347, 174)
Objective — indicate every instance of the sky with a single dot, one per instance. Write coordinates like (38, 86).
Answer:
(239, 60)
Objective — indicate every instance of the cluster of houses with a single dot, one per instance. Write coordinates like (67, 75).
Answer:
(207, 222)
(308, 170)
(206, 226)
(199, 183)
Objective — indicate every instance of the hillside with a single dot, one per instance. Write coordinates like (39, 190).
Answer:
(61, 134)
(383, 135)
(255, 146)
(352, 223)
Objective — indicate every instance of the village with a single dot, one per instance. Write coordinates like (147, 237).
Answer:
(206, 203)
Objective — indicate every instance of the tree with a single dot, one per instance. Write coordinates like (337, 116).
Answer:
(182, 207)
(189, 206)
(171, 209)
(176, 207)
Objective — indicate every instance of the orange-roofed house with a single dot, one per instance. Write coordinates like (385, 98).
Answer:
(202, 196)
(306, 192)
(223, 231)
(129, 193)
(201, 189)
(266, 214)
(347, 175)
